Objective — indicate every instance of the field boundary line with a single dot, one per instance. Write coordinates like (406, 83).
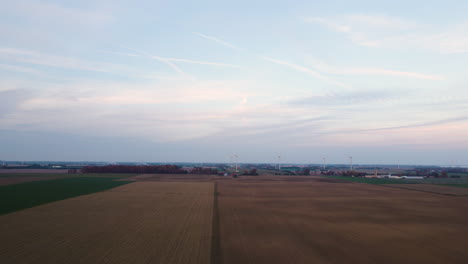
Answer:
(215, 231)
(403, 188)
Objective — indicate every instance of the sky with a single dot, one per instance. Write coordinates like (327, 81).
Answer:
(385, 82)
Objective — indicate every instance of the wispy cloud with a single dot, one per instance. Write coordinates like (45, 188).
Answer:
(161, 59)
(8, 67)
(397, 33)
(179, 60)
(53, 13)
(39, 58)
(203, 62)
(345, 99)
(306, 70)
(10, 99)
(327, 68)
(24, 56)
(296, 67)
(427, 124)
(377, 71)
(167, 109)
(218, 41)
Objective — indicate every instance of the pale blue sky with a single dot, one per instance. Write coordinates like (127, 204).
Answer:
(201, 80)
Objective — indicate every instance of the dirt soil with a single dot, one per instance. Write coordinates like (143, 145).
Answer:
(251, 219)
(215, 178)
(21, 179)
(433, 188)
(174, 178)
(315, 221)
(136, 223)
(48, 171)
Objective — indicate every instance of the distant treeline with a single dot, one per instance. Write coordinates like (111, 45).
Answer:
(161, 169)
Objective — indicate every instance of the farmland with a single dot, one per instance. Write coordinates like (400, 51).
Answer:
(452, 181)
(325, 222)
(20, 196)
(167, 218)
(134, 223)
(433, 188)
(458, 185)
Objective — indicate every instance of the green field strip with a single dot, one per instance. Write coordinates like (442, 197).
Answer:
(66, 175)
(457, 185)
(25, 195)
(12, 175)
(372, 180)
(443, 181)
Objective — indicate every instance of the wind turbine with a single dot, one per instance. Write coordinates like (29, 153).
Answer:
(350, 163)
(324, 162)
(279, 162)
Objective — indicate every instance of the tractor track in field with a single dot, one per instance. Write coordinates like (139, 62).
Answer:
(216, 257)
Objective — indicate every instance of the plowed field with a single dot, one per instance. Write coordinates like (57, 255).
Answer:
(433, 188)
(330, 222)
(150, 222)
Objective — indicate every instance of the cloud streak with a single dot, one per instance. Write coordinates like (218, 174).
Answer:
(224, 43)
(8, 67)
(376, 20)
(377, 71)
(309, 71)
(54, 13)
(38, 58)
(345, 99)
(203, 62)
(161, 59)
(323, 67)
(179, 60)
(382, 31)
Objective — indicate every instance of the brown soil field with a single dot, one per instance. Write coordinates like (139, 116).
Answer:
(215, 178)
(432, 188)
(309, 220)
(141, 222)
(175, 177)
(48, 171)
(21, 179)
(251, 219)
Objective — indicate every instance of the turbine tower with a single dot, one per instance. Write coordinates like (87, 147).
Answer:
(279, 162)
(351, 163)
(324, 162)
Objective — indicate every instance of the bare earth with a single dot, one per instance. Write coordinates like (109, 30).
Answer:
(433, 188)
(150, 222)
(174, 177)
(20, 179)
(252, 219)
(48, 171)
(325, 222)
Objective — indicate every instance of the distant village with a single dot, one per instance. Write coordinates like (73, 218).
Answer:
(246, 169)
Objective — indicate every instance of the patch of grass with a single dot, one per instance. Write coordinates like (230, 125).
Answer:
(457, 185)
(462, 174)
(372, 180)
(66, 175)
(104, 175)
(9, 175)
(445, 180)
(25, 195)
